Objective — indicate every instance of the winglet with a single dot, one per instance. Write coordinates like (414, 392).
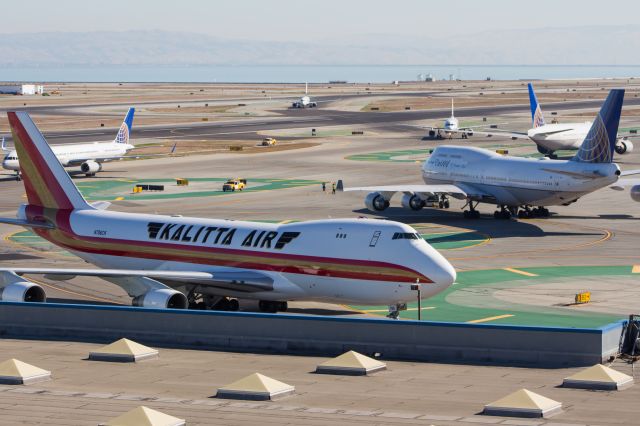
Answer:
(4, 146)
(340, 185)
(599, 144)
(173, 148)
(125, 128)
(537, 118)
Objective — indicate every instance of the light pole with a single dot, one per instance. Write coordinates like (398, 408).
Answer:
(416, 287)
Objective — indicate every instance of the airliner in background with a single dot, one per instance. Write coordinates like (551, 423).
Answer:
(305, 101)
(450, 129)
(177, 262)
(518, 186)
(561, 136)
(88, 156)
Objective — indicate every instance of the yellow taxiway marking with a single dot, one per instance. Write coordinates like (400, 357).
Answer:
(426, 308)
(518, 271)
(119, 199)
(490, 319)
(635, 269)
(285, 221)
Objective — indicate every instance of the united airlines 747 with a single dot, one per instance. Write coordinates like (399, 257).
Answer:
(518, 186)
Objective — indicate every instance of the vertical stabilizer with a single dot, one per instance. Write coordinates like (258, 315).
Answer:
(46, 182)
(125, 128)
(599, 144)
(537, 119)
(452, 116)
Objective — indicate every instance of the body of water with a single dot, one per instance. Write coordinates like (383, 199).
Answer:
(310, 73)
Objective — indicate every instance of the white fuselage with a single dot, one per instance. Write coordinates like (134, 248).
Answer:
(555, 137)
(75, 154)
(356, 261)
(450, 126)
(513, 181)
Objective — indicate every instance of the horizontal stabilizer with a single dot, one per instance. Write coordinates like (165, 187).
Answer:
(26, 223)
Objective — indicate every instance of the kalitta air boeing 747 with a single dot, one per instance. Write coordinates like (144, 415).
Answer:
(176, 262)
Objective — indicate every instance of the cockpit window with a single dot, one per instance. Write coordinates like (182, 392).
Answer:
(8, 157)
(405, 236)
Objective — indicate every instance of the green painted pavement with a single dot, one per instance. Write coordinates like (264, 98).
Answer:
(464, 300)
(390, 156)
(454, 240)
(108, 190)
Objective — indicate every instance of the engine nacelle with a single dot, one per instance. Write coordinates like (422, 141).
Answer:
(90, 167)
(376, 202)
(624, 146)
(469, 132)
(23, 291)
(164, 298)
(412, 201)
(635, 193)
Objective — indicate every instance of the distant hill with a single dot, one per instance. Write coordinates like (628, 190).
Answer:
(598, 45)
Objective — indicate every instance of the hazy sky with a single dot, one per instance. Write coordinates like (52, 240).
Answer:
(312, 20)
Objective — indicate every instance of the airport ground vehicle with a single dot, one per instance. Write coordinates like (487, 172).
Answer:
(269, 142)
(234, 185)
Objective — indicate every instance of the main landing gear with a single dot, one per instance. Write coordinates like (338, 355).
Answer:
(443, 202)
(213, 303)
(472, 213)
(525, 212)
(272, 307)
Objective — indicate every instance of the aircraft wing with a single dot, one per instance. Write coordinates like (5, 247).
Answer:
(460, 191)
(247, 281)
(630, 172)
(448, 189)
(622, 183)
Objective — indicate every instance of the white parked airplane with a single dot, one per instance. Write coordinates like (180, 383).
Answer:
(89, 156)
(174, 262)
(450, 128)
(513, 183)
(305, 101)
(561, 136)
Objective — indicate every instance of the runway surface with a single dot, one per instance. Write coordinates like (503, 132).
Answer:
(302, 118)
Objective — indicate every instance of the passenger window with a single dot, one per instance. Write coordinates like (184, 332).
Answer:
(374, 239)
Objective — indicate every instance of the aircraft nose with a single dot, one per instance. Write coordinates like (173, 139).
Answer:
(437, 269)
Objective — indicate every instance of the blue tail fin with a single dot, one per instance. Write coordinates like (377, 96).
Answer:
(125, 128)
(537, 118)
(600, 143)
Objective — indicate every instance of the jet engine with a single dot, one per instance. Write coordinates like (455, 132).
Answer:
(412, 201)
(90, 167)
(624, 146)
(164, 298)
(376, 202)
(18, 289)
(635, 193)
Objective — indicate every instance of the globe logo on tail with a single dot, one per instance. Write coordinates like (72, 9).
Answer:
(596, 147)
(538, 119)
(123, 134)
